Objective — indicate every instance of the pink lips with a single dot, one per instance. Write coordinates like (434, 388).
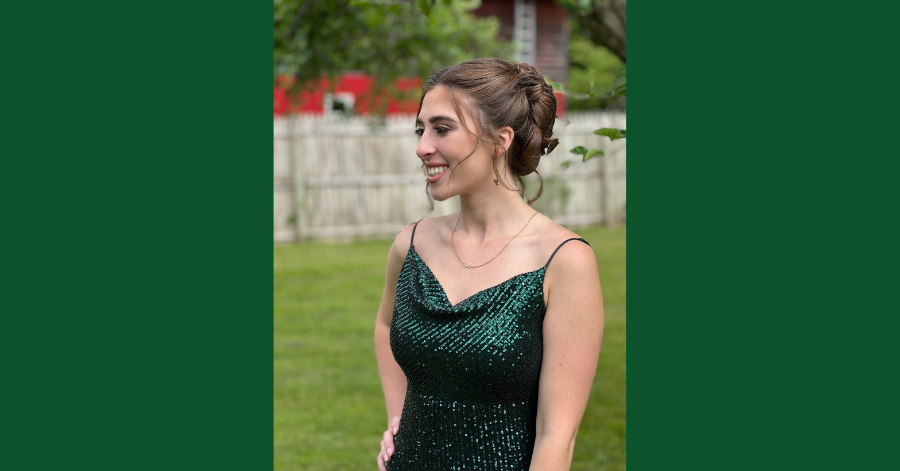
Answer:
(432, 179)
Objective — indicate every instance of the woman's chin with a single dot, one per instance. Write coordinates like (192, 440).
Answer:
(440, 197)
(438, 193)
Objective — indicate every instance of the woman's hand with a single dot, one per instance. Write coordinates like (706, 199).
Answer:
(387, 444)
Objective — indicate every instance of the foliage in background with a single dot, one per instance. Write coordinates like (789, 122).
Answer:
(590, 66)
(602, 21)
(385, 40)
(616, 90)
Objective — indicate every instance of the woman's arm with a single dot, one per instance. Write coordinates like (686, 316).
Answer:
(393, 381)
(573, 330)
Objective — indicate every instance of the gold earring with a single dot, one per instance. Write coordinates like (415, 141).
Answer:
(496, 180)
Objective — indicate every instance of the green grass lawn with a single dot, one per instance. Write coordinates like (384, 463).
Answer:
(329, 408)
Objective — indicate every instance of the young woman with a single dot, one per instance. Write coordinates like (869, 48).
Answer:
(486, 349)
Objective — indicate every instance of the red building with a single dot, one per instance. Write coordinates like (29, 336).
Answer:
(350, 93)
(540, 27)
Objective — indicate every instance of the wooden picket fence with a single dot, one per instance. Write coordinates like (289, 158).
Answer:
(356, 178)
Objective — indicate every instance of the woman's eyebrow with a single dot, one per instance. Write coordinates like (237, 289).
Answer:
(434, 119)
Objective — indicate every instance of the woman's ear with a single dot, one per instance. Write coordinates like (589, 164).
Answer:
(504, 137)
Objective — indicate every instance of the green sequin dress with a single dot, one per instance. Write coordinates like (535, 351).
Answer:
(472, 371)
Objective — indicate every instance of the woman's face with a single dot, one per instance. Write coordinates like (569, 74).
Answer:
(445, 143)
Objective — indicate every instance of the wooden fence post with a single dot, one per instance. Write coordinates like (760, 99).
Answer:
(299, 181)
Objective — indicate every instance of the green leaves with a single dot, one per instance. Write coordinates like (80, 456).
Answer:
(591, 154)
(426, 5)
(592, 74)
(556, 85)
(584, 153)
(618, 87)
(580, 150)
(611, 133)
(592, 69)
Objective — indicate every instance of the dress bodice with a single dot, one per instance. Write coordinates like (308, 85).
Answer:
(472, 371)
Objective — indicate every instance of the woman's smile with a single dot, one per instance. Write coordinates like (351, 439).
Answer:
(435, 173)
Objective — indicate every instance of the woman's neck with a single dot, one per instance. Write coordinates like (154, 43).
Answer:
(489, 214)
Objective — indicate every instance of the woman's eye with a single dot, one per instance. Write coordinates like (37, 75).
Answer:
(438, 129)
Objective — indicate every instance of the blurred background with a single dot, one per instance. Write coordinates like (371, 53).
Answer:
(347, 82)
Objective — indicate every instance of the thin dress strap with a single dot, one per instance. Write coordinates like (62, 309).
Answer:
(413, 236)
(558, 247)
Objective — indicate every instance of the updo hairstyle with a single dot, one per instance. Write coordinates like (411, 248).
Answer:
(503, 93)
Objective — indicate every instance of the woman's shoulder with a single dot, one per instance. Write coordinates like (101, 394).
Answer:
(428, 228)
(417, 230)
(563, 251)
(553, 233)
(403, 238)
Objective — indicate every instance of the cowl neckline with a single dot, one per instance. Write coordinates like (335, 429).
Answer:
(413, 258)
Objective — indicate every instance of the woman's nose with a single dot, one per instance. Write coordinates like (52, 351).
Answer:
(425, 147)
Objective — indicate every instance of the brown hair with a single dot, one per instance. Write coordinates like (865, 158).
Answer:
(503, 93)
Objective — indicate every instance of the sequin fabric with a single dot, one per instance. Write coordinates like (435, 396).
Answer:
(472, 372)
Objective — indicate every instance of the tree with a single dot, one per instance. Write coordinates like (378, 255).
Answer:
(384, 39)
(591, 67)
(603, 22)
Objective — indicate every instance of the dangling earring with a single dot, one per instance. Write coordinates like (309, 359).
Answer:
(497, 172)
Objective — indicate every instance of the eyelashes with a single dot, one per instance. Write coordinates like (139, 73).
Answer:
(441, 130)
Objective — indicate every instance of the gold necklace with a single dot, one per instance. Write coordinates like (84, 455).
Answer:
(498, 253)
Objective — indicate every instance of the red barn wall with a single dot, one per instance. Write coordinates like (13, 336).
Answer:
(312, 100)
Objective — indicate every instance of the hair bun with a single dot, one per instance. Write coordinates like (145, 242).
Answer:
(549, 145)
